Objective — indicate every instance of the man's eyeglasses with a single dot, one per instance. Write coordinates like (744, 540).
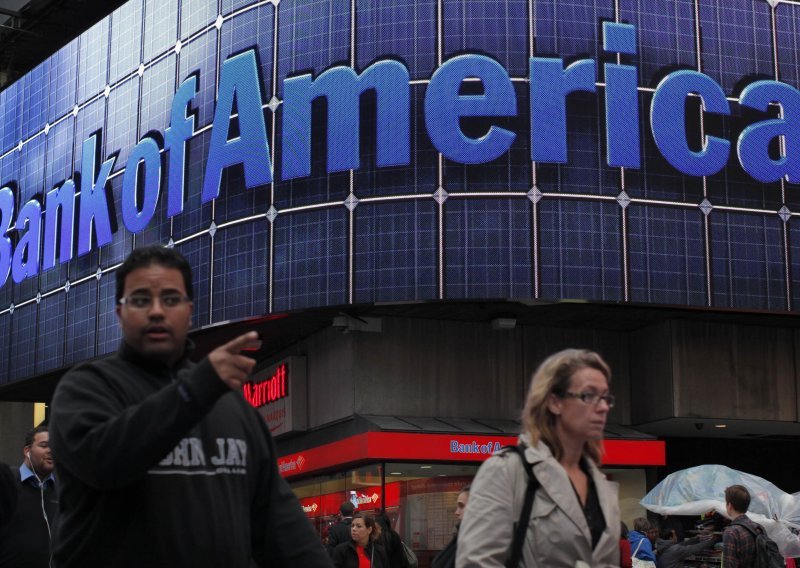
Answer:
(145, 302)
(591, 398)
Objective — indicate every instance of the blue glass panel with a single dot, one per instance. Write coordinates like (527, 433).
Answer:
(736, 41)
(794, 262)
(666, 255)
(25, 290)
(108, 331)
(23, 330)
(63, 81)
(196, 217)
(586, 170)
(200, 57)
(498, 27)
(10, 116)
(402, 30)
(31, 178)
(58, 166)
(395, 253)
(92, 61)
(158, 88)
(488, 248)
(787, 25)
(665, 32)
(196, 16)
(570, 28)
(52, 318)
(581, 250)
(313, 36)
(241, 256)
(81, 325)
(122, 245)
(35, 93)
(310, 259)
(747, 261)
(160, 28)
(657, 179)
(512, 170)
(253, 28)
(123, 121)
(126, 40)
(197, 253)
(229, 6)
(5, 345)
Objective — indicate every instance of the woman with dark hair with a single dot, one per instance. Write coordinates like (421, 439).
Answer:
(363, 550)
(575, 515)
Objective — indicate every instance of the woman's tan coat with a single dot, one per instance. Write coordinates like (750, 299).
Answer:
(558, 536)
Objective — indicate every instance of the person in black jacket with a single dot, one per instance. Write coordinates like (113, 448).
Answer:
(391, 542)
(25, 541)
(8, 495)
(672, 552)
(364, 533)
(447, 557)
(162, 462)
(340, 531)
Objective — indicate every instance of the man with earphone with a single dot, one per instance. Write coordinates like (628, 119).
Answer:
(25, 542)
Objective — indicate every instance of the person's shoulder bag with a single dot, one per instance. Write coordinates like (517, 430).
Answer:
(638, 562)
(521, 526)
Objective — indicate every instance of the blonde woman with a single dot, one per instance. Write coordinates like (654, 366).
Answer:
(575, 516)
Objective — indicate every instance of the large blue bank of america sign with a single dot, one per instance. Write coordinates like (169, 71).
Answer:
(322, 153)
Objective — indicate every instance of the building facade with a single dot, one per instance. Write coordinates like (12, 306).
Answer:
(414, 203)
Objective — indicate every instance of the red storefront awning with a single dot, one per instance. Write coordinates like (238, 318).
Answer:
(402, 446)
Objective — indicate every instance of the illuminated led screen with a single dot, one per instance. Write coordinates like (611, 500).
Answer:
(317, 153)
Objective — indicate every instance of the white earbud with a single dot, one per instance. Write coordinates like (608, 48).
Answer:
(29, 455)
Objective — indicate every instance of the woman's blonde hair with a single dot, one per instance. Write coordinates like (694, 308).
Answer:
(369, 522)
(553, 377)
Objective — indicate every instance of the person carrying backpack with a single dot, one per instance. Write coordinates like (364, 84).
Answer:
(745, 544)
(549, 486)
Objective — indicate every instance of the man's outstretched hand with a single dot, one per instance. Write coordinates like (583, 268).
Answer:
(229, 363)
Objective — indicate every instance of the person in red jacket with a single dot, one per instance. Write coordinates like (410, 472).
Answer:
(624, 547)
(363, 550)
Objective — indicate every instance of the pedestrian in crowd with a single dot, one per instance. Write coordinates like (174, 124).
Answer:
(575, 514)
(391, 542)
(339, 532)
(672, 552)
(25, 541)
(161, 461)
(363, 550)
(641, 547)
(652, 535)
(447, 557)
(9, 495)
(624, 547)
(738, 543)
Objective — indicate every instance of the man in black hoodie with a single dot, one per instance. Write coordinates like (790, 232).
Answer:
(161, 461)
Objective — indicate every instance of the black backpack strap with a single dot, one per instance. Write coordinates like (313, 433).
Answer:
(751, 530)
(521, 526)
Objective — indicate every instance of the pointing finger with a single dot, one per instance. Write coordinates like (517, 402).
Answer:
(239, 343)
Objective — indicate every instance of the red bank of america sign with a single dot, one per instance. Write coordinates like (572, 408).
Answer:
(403, 446)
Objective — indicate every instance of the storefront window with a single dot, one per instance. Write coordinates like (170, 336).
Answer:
(425, 513)
(322, 496)
(420, 499)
